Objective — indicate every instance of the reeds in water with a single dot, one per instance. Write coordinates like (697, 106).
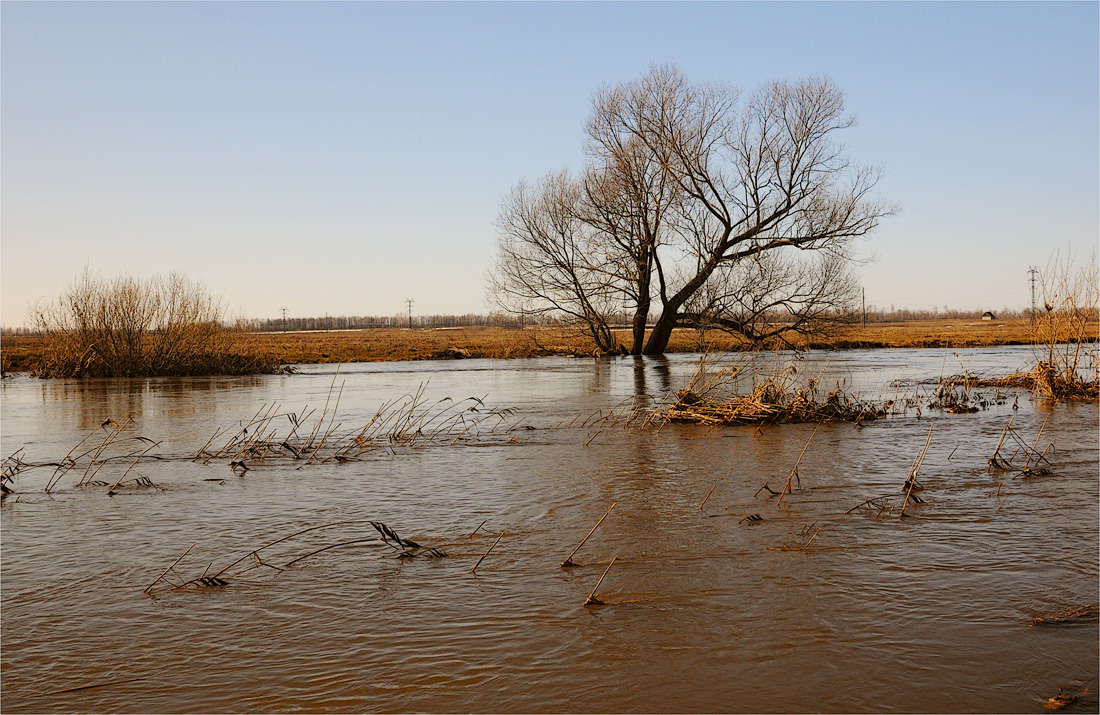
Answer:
(1034, 458)
(569, 559)
(410, 421)
(115, 445)
(405, 548)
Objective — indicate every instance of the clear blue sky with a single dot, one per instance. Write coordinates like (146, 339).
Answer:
(340, 158)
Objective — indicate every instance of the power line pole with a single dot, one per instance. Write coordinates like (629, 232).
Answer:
(865, 307)
(284, 320)
(1033, 271)
(409, 303)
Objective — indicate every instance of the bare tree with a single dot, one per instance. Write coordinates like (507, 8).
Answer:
(698, 207)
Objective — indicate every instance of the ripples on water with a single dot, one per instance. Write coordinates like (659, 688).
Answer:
(929, 613)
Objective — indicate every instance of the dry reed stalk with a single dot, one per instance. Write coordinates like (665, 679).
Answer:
(474, 569)
(794, 470)
(592, 600)
(569, 559)
(285, 538)
(798, 548)
(107, 442)
(332, 419)
(202, 450)
(911, 481)
(807, 545)
(288, 564)
(165, 572)
(13, 465)
(67, 462)
(478, 528)
(132, 465)
(708, 496)
(232, 440)
(1034, 447)
(996, 462)
(389, 535)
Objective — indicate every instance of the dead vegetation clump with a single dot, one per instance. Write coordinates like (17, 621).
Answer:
(1047, 380)
(953, 395)
(775, 399)
(1067, 616)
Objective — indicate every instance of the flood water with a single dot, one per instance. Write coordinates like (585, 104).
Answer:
(705, 612)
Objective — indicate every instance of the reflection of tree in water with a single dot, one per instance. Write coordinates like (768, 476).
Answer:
(658, 365)
(601, 375)
(89, 401)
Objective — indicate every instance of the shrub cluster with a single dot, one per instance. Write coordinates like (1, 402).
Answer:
(133, 327)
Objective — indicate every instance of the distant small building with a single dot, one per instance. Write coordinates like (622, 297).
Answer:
(988, 316)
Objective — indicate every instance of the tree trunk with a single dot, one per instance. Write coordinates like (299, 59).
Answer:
(640, 317)
(662, 332)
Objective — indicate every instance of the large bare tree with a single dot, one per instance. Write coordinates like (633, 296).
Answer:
(696, 207)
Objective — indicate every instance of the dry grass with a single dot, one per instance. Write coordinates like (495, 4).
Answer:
(385, 344)
(932, 334)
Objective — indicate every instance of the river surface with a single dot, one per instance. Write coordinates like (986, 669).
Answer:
(806, 609)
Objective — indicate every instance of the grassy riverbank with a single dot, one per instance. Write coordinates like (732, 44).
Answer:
(21, 352)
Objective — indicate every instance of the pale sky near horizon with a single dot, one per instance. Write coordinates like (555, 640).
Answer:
(338, 158)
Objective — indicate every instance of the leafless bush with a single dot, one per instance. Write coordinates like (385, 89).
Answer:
(1065, 329)
(133, 327)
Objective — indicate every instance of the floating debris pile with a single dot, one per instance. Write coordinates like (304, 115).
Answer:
(770, 402)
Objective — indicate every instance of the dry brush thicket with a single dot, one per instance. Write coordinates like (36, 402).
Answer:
(133, 327)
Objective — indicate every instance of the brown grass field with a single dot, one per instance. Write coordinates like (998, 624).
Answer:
(21, 352)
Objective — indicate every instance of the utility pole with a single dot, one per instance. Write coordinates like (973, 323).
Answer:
(284, 320)
(865, 307)
(409, 303)
(1033, 271)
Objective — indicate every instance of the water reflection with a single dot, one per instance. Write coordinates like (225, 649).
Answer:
(646, 367)
(89, 402)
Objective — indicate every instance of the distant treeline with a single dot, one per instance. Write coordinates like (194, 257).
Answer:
(503, 320)
(364, 322)
(876, 314)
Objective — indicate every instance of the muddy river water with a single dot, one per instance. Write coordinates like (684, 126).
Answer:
(704, 610)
